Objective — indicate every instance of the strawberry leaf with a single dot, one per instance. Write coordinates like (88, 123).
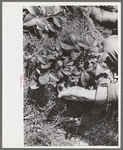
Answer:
(51, 27)
(30, 20)
(34, 85)
(44, 79)
(74, 55)
(41, 22)
(66, 71)
(45, 66)
(53, 83)
(70, 63)
(60, 74)
(90, 68)
(84, 41)
(57, 22)
(29, 17)
(99, 70)
(83, 45)
(59, 14)
(74, 38)
(56, 9)
(33, 10)
(42, 59)
(85, 77)
(38, 71)
(53, 76)
(94, 49)
(66, 46)
(59, 64)
(90, 40)
(51, 57)
(76, 77)
(75, 71)
(66, 59)
(43, 9)
(58, 47)
(102, 58)
(78, 47)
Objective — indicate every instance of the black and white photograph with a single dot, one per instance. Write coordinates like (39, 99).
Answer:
(70, 75)
(70, 78)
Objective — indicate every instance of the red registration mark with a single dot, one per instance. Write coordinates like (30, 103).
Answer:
(21, 79)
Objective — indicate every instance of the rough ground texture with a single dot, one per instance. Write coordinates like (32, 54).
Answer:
(49, 121)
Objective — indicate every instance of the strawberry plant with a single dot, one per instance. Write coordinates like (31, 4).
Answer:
(68, 63)
(47, 18)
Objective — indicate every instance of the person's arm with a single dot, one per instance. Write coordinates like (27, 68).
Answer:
(78, 93)
(101, 95)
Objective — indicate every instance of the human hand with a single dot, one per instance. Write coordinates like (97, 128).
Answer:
(77, 93)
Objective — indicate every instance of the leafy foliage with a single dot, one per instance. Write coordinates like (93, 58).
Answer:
(47, 18)
(63, 61)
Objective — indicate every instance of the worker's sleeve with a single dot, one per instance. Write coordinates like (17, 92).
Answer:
(107, 94)
(113, 92)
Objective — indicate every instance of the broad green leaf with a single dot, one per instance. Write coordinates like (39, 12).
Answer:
(45, 52)
(54, 76)
(75, 71)
(84, 41)
(53, 83)
(58, 47)
(56, 9)
(68, 42)
(102, 57)
(34, 85)
(99, 70)
(85, 77)
(76, 77)
(42, 59)
(90, 68)
(60, 74)
(51, 27)
(59, 64)
(83, 45)
(51, 57)
(57, 22)
(74, 55)
(94, 49)
(70, 63)
(33, 10)
(74, 38)
(44, 79)
(66, 59)
(66, 71)
(59, 14)
(41, 22)
(78, 47)
(38, 71)
(66, 47)
(90, 40)
(29, 17)
(43, 9)
(49, 10)
(31, 22)
(103, 64)
(45, 66)
(46, 27)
